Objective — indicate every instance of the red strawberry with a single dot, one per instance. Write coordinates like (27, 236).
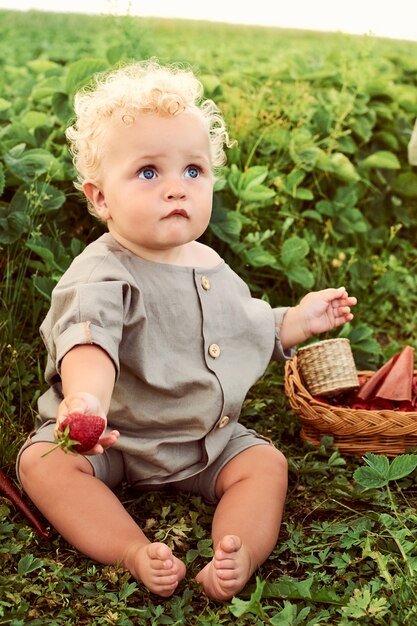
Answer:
(79, 432)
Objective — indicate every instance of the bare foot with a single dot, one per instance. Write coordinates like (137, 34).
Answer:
(156, 567)
(228, 571)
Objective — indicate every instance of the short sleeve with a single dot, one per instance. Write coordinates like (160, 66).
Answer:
(91, 313)
(279, 354)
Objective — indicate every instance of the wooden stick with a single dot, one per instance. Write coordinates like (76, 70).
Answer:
(8, 490)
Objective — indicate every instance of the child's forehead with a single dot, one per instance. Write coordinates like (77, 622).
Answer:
(128, 114)
(134, 132)
(131, 118)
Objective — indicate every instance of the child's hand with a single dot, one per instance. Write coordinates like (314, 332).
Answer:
(86, 404)
(318, 312)
(326, 309)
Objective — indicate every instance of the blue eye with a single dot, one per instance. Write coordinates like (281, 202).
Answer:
(192, 171)
(148, 173)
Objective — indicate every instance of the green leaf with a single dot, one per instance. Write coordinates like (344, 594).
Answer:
(253, 176)
(46, 88)
(362, 127)
(225, 224)
(363, 604)
(44, 285)
(61, 107)
(205, 548)
(115, 53)
(191, 555)
(338, 164)
(37, 198)
(301, 275)
(293, 250)
(126, 590)
(77, 246)
(233, 179)
(388, 139)
(313, 215)
(378, 462)
(325, 207)
(258, 257)
(40, 66)
(4, 105)
(33, 119)
(293, 589)
(247, 185)
(402, 465)
(346, 144)
(343, 168)
(302, 193)
(239, 607)
(258, 195)
(290, 588)
(212, 85)
(406, 185)
(18, 150)
(381, 159)
(368, 478)
(28, 564)
(307, 158)
(294, 179)
(82, 71)
(32, 164)
(351, 221)
(52, 252)
(12, 225)
(376, 474)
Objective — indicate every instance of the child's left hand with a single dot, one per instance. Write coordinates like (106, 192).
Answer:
(326, 309)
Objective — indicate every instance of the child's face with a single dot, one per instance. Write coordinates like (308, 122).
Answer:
(156, 185)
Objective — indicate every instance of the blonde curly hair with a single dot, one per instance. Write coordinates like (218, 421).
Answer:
(142, 87)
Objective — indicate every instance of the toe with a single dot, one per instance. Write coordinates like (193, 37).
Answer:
(230, 543)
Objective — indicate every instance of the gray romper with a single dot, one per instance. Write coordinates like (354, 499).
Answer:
(187, 344)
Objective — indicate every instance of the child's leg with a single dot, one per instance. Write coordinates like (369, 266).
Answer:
(90, 517)
(252, 489)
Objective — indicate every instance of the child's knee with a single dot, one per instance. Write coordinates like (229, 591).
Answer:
(263, 464)
(274, 462)
(30, 461)
(36, 466)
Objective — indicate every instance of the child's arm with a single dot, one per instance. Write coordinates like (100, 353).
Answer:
(317, 312)
(88, 376)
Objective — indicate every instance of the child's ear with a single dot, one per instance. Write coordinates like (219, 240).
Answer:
(96, 197)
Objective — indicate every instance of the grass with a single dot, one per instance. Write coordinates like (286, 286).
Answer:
(345, 553)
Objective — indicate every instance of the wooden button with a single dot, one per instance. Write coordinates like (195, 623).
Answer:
(224, 421)
(205, 283)
(214, 350)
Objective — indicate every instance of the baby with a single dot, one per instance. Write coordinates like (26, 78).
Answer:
(152, 330)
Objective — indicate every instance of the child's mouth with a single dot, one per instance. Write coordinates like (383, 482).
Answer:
(179, 212)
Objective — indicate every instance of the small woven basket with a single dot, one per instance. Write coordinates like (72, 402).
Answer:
(328, 367)
(354, 431)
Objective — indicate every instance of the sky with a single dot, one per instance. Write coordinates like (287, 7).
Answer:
(381, 18)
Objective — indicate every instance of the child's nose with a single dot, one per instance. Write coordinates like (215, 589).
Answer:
(175, 190)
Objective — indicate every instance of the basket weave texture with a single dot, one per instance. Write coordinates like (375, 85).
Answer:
(354, 431)
(328, 367)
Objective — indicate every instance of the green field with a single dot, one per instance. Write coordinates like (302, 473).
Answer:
(317, 192)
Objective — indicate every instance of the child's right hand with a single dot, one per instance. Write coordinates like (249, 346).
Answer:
(86, 404)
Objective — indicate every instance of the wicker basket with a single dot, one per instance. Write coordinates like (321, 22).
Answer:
(328, 367)
(354, 431)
